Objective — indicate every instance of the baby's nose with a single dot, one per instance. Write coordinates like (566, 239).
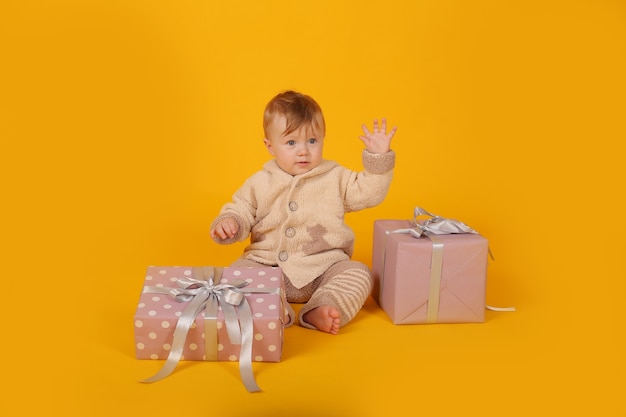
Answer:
(303, 149)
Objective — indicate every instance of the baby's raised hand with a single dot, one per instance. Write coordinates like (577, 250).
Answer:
(225, 229)
(378, 141)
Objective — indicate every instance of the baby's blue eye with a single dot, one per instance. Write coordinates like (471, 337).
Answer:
(312, 141)
(291, 142)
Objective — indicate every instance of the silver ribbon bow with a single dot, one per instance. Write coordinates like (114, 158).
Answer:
(205, 294)
(435, 225)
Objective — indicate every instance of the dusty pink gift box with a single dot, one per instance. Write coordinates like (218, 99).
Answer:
(157, 314)
(401, 265)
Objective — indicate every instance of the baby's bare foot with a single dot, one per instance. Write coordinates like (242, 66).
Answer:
(324, 318)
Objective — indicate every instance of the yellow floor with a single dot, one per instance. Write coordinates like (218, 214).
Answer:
(531, 362)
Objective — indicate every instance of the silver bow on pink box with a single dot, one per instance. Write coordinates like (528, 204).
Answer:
(436, 225)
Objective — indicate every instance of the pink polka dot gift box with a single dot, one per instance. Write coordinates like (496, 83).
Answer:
(208, 313)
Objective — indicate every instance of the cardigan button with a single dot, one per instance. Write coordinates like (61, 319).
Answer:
(293, 206)
(290, 232)
(283, 256)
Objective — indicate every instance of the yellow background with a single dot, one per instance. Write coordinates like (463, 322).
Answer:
(126, 125)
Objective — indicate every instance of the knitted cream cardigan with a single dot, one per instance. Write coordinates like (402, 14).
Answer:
(297, 222)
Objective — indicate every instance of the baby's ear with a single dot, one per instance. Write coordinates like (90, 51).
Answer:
(268, 145)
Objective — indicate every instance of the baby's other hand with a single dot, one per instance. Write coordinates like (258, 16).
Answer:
(378, 141)
(226, 228)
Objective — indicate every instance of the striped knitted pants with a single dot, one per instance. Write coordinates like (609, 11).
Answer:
(345, 286)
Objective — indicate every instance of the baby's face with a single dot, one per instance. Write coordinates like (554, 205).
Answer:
(297, 152)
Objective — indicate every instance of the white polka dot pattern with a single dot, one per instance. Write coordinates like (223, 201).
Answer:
(157, 314)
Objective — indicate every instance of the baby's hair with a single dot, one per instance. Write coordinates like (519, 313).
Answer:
(299, 109)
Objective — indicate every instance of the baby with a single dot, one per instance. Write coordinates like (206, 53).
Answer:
(293, 211)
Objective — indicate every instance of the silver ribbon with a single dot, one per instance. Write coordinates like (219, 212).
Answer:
(435, 225)
(205, 294)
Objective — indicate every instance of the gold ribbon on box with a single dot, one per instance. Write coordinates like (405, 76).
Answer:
(204, 292)
(431, 227)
